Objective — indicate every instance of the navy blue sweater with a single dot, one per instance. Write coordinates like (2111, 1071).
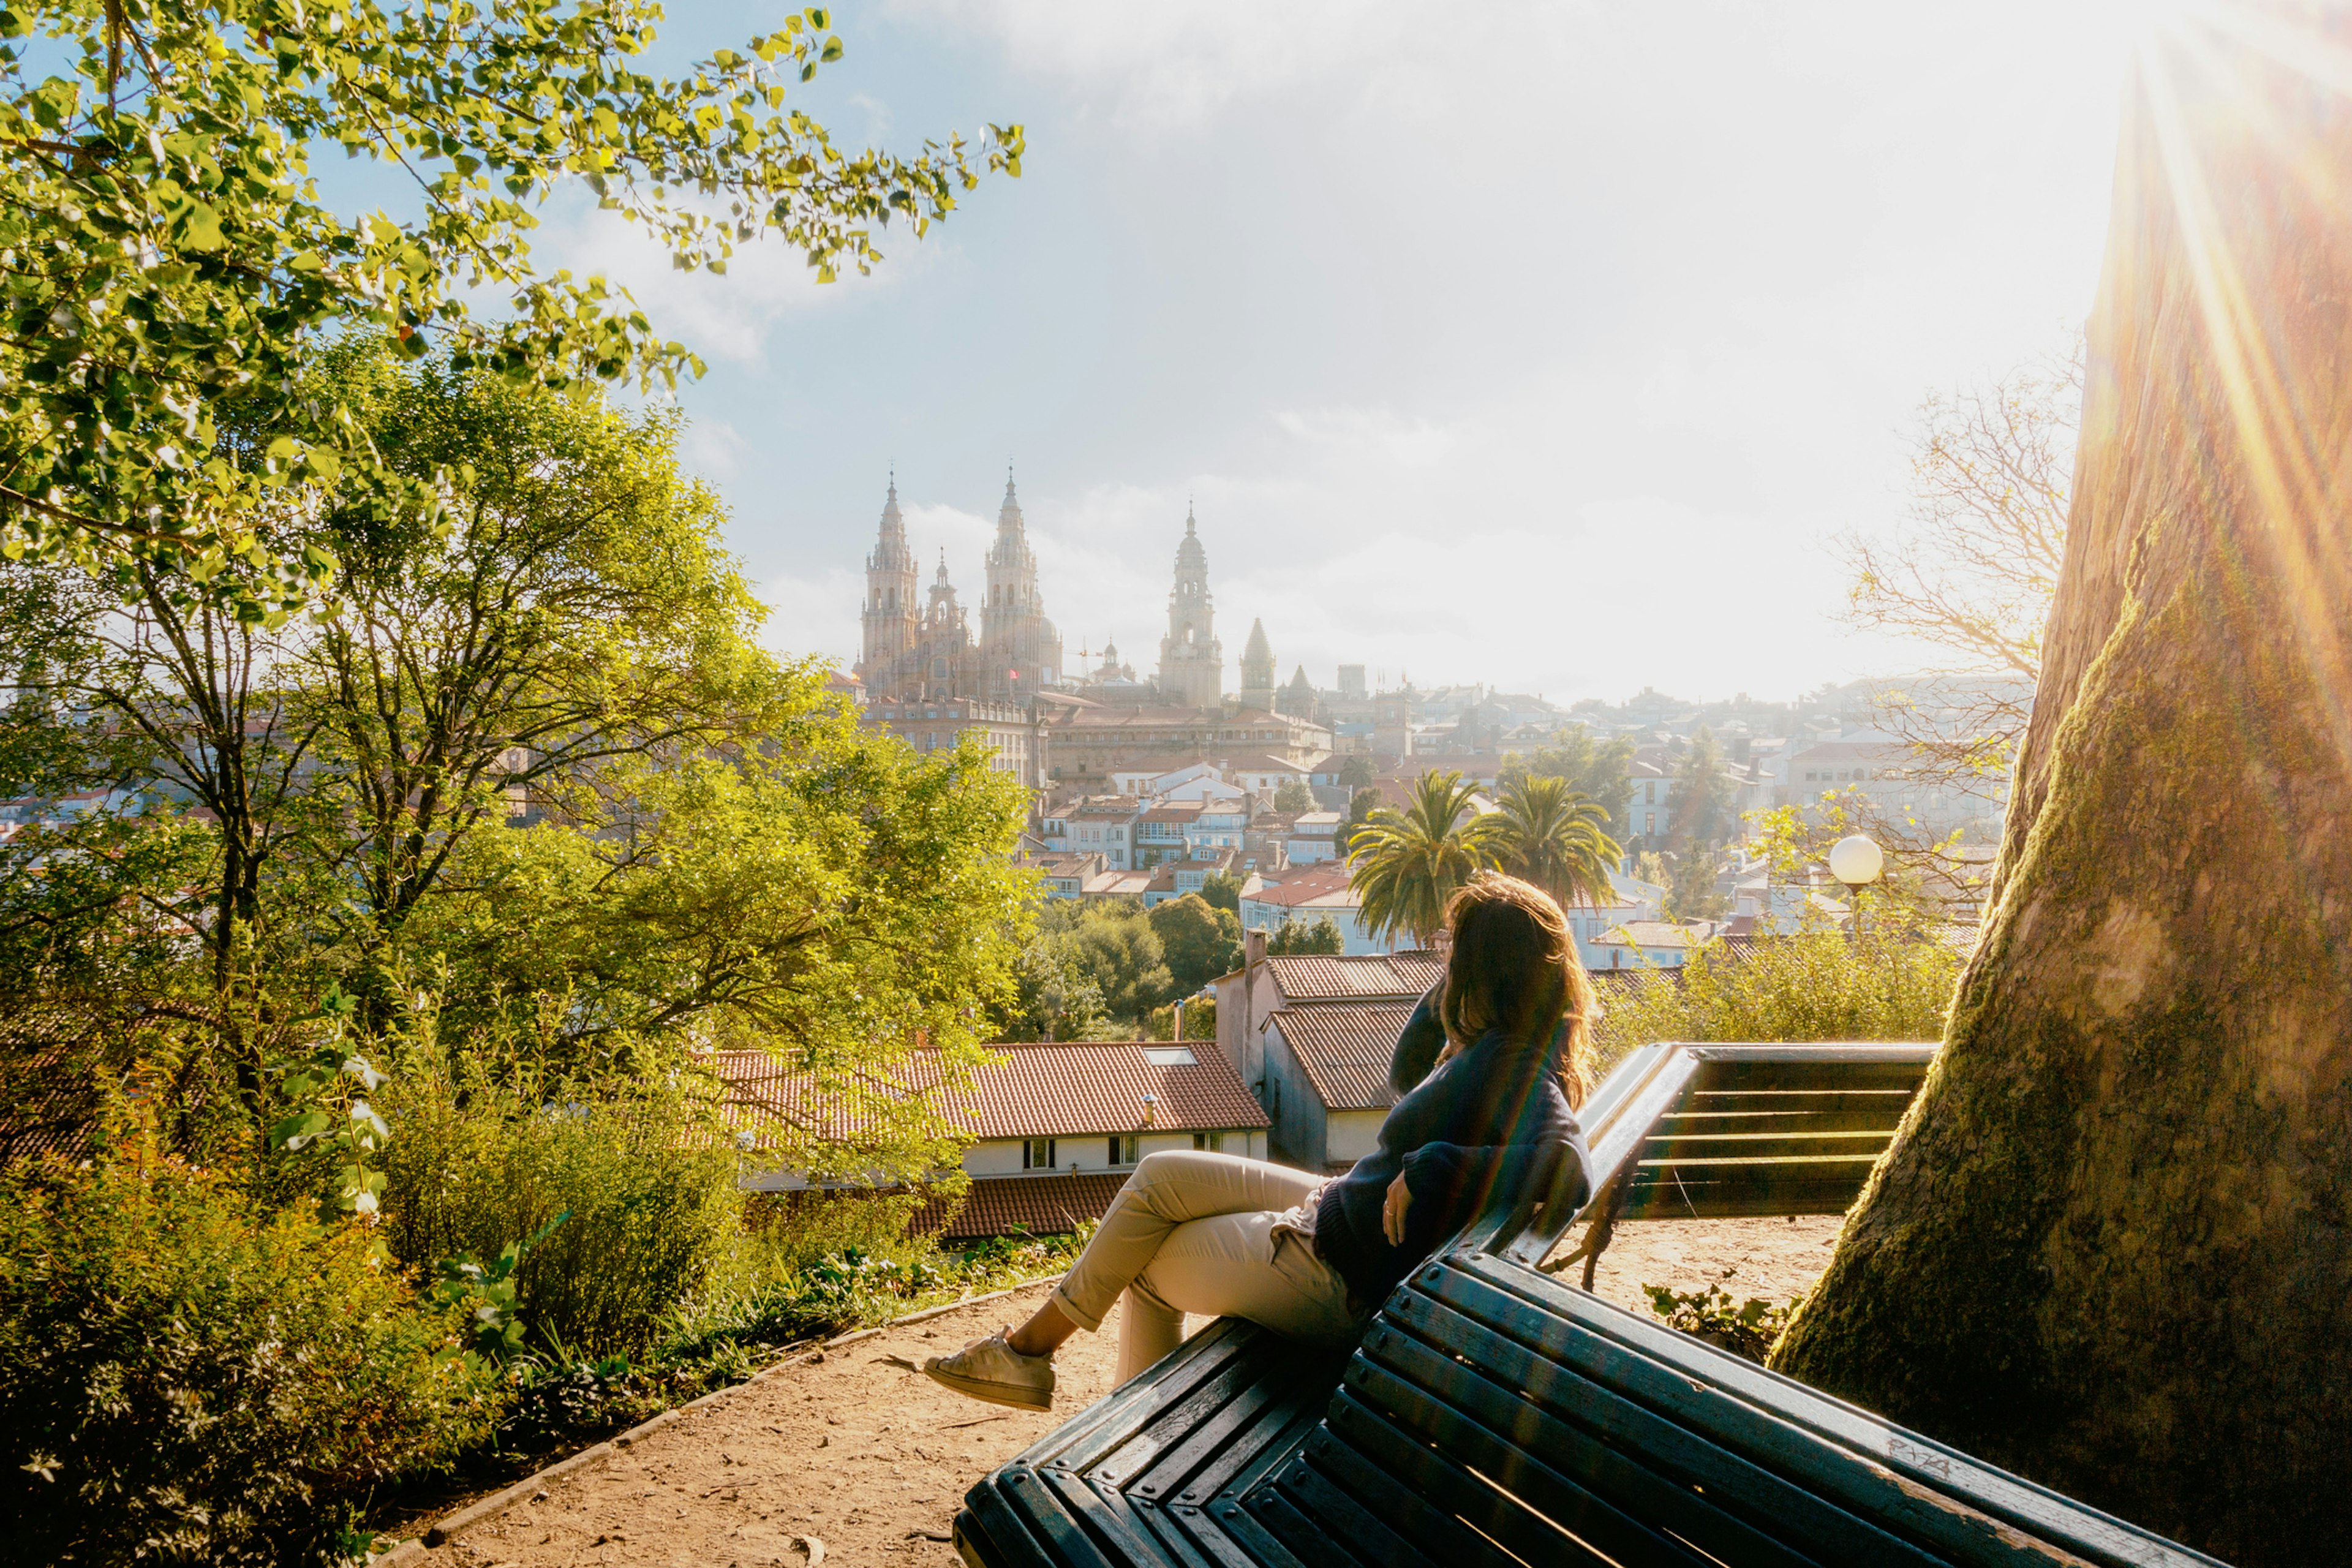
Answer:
(1490, 1124)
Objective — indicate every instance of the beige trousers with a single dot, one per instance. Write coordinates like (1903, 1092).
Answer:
(1212, 1234)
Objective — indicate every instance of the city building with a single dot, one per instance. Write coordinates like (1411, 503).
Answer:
(1091, 737)
(1307, 895)
(1056, 1128)
(932, 725)
(1312, 1036)
(1656, 944)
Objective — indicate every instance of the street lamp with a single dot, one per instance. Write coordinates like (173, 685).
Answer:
(1856, 860)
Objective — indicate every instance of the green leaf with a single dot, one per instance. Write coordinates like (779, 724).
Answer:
(200, 229)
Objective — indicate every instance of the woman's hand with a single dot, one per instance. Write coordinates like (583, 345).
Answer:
(1392, 1210)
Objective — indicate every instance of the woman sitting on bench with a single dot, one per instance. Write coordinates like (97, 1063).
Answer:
(1311, 1256)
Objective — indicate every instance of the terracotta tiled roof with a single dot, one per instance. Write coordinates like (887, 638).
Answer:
(1042, 1205)
(1657, 933)
(1058, 1091)
(1323, 882)
(1385, 974)
(1345, 1049)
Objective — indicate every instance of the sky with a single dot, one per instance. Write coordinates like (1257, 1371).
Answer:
(1552, 346)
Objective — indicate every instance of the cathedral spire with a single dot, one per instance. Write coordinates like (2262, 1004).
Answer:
(892, 617)
(1191, 664)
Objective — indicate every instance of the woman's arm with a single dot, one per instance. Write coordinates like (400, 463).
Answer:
(1446, 1185)
(1420, 1043)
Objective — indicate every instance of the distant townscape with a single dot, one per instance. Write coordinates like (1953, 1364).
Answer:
(1152, 786)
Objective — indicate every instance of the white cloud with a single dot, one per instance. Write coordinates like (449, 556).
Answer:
(714, 450)
(1539, 344)
(726, 316)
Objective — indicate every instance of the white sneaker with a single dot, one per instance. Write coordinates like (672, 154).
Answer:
(992, 1370)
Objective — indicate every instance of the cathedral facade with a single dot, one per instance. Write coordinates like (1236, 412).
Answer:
(929, 651)
(921, 645)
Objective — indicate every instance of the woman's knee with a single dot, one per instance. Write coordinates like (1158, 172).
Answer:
(1158, 1166)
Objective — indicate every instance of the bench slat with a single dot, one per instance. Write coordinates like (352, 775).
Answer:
(1224, 1528)
(1866, 1452)
(1334, 1517)
(987, 1531)
(1709, 1121)
(1470, 1499)
(1037, 1506)
(1677, 1383)
(1733, 1484)
(1374, 1399)
(1890, 1103)
(1750, 1075)
(1194, 1461)
(1412, 1489)
(1699, 1147)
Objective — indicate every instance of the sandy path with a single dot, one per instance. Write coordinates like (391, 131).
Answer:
(873, 1459)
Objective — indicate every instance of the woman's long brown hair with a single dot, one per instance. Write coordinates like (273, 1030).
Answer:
(1513, 967)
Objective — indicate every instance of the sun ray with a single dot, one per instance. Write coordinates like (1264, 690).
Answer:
(2301, 515)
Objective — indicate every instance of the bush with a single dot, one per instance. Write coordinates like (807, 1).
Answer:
(648, 1187)
(182, 1380)
(1814, 985)
(1748, 1329)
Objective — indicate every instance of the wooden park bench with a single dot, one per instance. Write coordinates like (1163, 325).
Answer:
(1495, 1413)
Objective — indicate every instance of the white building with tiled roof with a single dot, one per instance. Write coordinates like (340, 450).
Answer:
(1283, 1023)
(1044, 1113)
(1308, 895)
(1326, 1078)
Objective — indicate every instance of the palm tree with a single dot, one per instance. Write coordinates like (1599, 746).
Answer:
(1408, 863)
(1551, 834)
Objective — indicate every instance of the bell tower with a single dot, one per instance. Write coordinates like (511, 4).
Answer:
(1192, 663)
(893, 616)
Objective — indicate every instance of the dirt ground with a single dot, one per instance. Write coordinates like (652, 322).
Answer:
(872, 1460)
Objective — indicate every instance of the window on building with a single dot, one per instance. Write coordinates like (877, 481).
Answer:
(1123, 1150)
(1214, 1143)
(1170, 1056)
(1038, 1153)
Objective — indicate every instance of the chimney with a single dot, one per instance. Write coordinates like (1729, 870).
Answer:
(1253, 949)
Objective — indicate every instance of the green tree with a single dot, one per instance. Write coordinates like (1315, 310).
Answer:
(825, 900)
(2106, 1248)
(1113, 946)
(157, 171)
(1550, 836)
(1408, 863)
(178, 707)
(1598, 770)
(1297, 938)
(1356, 771)
(1690, 889)
(573, 606)
(1198, 941)
(1223, 889)
(1360, 807)
(1292, 795)
(1055, 999)
(1703, 807)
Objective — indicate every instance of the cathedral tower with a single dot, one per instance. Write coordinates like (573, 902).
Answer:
(1191, 664)
(893, 619)
(1020, 649)
(1257, 671)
